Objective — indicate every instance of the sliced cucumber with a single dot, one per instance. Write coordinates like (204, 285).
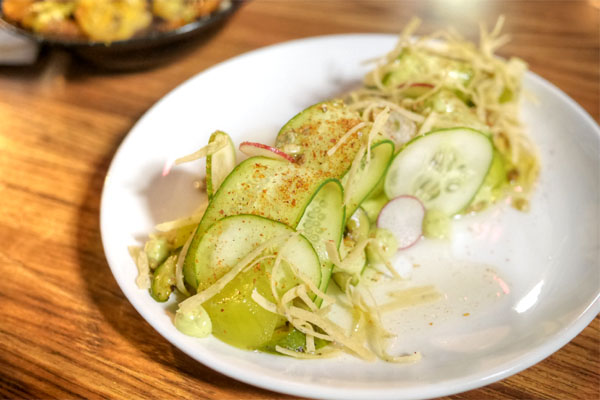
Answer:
(316, 130)
(236, 318)
(274, 189)
(368, 175)
(444, 169)
(219, 164)
(322, 221)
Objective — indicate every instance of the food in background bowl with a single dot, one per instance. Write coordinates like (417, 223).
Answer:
(104, 20)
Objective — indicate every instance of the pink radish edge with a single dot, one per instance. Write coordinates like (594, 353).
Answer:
(252, 149)
(417, 84)
(391, 220)
(422, 84)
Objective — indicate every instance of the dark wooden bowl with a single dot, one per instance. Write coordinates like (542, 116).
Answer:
(139, 52)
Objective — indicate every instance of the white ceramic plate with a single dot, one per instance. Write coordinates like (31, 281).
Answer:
(517, 286)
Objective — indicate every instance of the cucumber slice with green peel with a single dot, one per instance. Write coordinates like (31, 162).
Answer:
(219, 164)
(274, 189)
(236, 318)
(368, 176)
(323, 220)
(444, 169)
(316, 130)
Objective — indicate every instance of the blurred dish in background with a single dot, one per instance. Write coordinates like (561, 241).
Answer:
(118, 34)
(105, 20)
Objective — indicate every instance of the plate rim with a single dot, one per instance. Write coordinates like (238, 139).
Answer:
(453, 386)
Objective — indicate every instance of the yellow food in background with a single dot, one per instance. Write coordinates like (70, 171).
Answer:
(51, 17)
(104, 20)
(180, 12)
(16, 10)
(107, 21)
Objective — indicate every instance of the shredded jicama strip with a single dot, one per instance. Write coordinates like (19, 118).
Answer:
(302, 326)
(258, 260)
(283, 309)
(350, 132)
(378, 123)
(353, 256)
(277, 264)
(193, 219)
(324, 310)
(427, 124)
(311, 286)
(359, 331)
(304, 297)
(274, 273)
(350, 258)
(179, 267)
(353, 170)
(378, 334)
(310, 343)
(489, 78)
(334, 331)
(385, 103)
(386, 262)
(141, 261)
(289, 296)
(211, 148)
(333, 254)
(263, 302)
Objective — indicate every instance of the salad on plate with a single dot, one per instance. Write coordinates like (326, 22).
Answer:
(298, 249)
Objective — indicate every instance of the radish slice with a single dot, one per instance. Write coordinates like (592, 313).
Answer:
(417, 89)
(252, 149)
(422, 84)
(403, 216)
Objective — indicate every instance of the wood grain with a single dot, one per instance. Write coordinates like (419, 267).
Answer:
(67, 331)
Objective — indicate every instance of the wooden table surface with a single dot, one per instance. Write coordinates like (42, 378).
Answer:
(66, 329)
